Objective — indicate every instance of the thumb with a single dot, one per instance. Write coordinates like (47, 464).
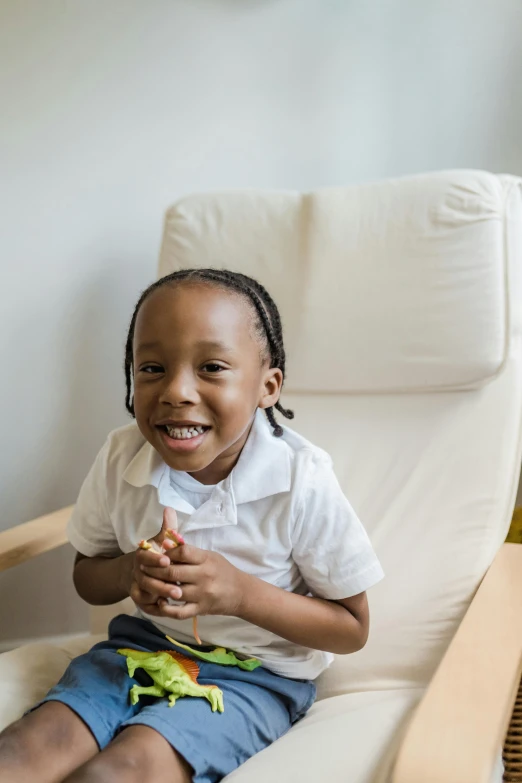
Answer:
(170, 519)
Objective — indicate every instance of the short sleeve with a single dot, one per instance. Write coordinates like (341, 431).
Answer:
(330, 546)
(90, 530)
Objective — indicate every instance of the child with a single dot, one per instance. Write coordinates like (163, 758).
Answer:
(275, 564)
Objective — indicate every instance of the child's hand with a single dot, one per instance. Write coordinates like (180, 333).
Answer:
(144, 590)
(209, 583)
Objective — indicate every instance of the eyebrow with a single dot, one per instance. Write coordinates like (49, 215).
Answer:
(215, 345)
(146, 346)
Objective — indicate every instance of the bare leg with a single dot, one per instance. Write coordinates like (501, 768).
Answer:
(45, 746)
(138, 755)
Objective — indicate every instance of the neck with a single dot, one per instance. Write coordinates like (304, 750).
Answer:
(220, 468)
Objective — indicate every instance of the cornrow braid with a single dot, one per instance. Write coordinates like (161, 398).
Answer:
(268, 324)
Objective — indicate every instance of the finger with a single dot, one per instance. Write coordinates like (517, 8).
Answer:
(151, 559)
(153, 609)
(177, 612)
(190, 555)
(169, 545)
(174, 573)
(172, 540)
(141, 597)
(159, 588)
(170, 518)
(150, 608)
(191, 594)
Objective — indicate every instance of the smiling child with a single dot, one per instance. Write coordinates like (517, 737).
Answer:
(274, 564)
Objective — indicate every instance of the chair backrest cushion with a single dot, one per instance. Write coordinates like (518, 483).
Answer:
(402, 305)
(404, 282)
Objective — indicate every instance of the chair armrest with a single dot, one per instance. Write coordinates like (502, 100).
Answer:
(29, 539)
(457, 732)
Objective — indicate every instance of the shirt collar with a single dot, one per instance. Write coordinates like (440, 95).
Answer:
(263, 469)
(264, 466)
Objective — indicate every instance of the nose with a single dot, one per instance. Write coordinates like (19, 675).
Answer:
(180, 388)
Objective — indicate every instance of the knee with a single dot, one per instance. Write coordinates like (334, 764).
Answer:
(106, 768)
(13, 745)
(126, 760)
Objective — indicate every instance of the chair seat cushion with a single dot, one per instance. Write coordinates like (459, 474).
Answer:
(27, 673)
(354, 737)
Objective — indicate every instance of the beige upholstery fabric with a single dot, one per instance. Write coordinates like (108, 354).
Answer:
(350, 739)
(379, 276)
(26, 674)
(402, 303)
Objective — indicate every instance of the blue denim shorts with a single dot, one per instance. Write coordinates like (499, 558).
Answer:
(259, 706)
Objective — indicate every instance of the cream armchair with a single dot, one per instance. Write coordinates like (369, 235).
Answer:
(402, 305)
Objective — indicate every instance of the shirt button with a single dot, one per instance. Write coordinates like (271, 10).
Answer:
(220, 508)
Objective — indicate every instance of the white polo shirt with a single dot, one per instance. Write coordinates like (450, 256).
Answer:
(279, 515)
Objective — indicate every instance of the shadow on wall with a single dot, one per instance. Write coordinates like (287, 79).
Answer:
(38, 598)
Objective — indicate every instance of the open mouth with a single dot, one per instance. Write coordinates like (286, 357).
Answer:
(187, 432)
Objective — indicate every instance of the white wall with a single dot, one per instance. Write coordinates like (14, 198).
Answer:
(111, 109)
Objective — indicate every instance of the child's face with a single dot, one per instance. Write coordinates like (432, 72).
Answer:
(197, 361)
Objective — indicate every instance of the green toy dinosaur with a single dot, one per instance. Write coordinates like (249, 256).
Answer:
(173, 674)
(220, 655)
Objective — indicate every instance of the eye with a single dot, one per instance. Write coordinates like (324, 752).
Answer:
(212, 368)
(151, 369)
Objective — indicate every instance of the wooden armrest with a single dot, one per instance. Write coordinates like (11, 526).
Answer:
(29, 539)
(459, 728)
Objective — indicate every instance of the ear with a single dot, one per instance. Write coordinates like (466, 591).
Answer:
(270, 387)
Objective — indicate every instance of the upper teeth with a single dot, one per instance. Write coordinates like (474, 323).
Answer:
(184, 432)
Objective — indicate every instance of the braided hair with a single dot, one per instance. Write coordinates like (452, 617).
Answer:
(267, 324)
